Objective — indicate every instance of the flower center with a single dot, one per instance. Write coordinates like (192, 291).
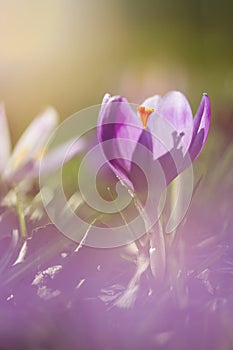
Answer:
(144, 114)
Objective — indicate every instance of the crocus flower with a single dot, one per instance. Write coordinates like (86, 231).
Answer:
(24, 161)
(164, 125)
(173, 139)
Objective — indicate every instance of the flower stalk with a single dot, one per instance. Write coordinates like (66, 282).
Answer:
(20, 212)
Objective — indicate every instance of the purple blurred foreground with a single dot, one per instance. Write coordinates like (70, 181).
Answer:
(54, 296)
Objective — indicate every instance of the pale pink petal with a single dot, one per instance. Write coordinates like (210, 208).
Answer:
(33, 140)
(171, 124)
(152, 102)
(49, 162)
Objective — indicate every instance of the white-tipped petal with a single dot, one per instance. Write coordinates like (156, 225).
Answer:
(5, 142)
(50, 162)
(152, 102)
(33, 140)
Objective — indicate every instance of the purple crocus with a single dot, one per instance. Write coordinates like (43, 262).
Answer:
(173, 139)
(164, 125)
(23, 163)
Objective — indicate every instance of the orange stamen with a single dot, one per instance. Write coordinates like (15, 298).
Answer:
(144, 114)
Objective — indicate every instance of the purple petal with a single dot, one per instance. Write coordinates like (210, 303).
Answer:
(118, 121)
(201, 127)
(5, 148)
(173, 163)
(172, 124)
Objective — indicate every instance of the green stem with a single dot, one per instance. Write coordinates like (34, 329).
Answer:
(20, 212)
(136, 241)
(174, 192)
(157, 249)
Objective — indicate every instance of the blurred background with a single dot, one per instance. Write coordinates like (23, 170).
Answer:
(70, 53)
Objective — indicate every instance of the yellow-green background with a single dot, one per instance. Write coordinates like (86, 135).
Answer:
(68, 53)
